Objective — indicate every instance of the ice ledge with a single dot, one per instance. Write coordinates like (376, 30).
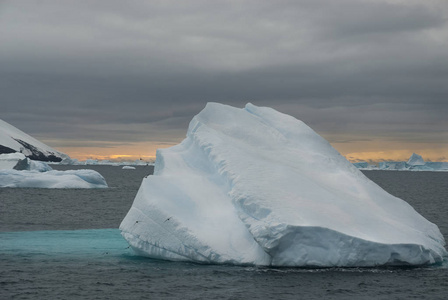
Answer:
(294, 250)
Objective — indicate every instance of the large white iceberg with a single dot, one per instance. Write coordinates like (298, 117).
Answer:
(79, 179)
(255, 186)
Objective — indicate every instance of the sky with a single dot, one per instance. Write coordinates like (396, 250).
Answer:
(119, 79)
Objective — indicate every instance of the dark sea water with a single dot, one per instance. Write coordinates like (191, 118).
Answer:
(64, 244)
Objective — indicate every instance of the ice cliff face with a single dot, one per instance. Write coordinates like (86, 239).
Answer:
(255, 186)
(14, 140)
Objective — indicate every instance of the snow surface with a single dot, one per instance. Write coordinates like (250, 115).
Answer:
(79, 179)
(10, 136)
(255, 186)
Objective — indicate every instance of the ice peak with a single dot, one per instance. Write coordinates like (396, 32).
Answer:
(416, 160)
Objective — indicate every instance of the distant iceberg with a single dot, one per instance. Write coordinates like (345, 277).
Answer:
(393, 165)
(258, 187)
(128, 168)
(363, 165)
(436, 165)
(75, 179)
(415, 163)
(416, 160)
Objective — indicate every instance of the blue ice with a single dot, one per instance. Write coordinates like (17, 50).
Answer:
(91, 242)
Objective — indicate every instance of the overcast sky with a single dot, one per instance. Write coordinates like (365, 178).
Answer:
(94, 78)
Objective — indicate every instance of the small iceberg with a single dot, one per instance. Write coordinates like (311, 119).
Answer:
(128, 168)
(254, 186)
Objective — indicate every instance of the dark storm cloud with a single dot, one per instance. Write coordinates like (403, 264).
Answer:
(128, 71)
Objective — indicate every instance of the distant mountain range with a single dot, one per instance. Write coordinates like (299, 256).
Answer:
(14, 140)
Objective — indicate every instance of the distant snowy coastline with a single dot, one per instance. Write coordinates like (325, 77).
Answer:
(415, 163)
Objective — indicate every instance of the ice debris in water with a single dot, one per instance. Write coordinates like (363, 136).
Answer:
(255, 186)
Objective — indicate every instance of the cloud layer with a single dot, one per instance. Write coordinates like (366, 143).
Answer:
(117, 73)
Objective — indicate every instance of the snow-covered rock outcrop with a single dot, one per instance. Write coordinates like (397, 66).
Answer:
(255, 186)
(14, 140)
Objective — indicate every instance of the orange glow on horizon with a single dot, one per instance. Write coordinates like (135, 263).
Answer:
(129, 152)
(370, 151)
(377, 151)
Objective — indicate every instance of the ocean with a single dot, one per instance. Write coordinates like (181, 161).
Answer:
(64, 244)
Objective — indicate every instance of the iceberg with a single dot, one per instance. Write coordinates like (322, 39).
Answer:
(12, 161)
(34, 165)
(17, 170)
(437, 165)
(128, 168)
(393, 165)
(75, 179)
(416, 160)
(254, 186)
(18, 161)
(415, 163)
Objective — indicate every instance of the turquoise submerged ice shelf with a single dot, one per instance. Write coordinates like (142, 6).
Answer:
(82, 243)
